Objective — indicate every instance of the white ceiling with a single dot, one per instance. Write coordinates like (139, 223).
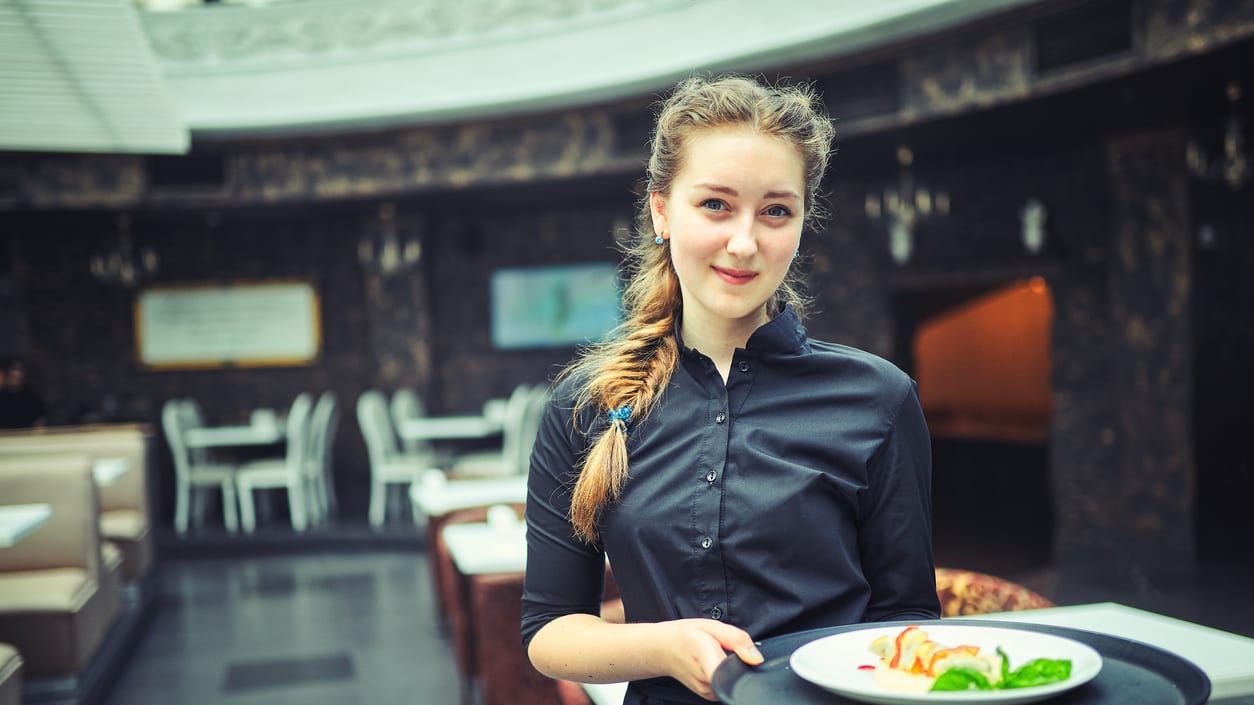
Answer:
(78, 76)
(101, 76)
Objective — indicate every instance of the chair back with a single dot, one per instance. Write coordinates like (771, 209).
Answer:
(190, 416)
(322, 425)
(512, 430)
(298, 432)
(376, 427)
(172, 422)
(407, 405)
(529, 426)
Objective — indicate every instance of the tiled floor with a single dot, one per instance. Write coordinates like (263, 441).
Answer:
(353, 626)
(336, 629)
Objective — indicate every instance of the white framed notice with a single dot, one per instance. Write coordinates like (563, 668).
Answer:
(250, 324)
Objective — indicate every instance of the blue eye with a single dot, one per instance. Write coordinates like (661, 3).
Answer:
(714, 204)
(778, 211)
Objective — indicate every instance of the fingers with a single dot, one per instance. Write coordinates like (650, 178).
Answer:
(703, 644)
(737, 641)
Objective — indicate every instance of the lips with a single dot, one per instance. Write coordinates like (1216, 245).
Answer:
(735, 276)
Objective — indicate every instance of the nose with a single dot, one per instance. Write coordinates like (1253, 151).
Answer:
(742, 240)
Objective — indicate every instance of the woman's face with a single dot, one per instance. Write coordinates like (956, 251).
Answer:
(733, 217)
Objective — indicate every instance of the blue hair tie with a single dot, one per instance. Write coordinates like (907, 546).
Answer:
(619, 415)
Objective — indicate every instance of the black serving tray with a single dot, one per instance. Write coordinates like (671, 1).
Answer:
(1132, 673)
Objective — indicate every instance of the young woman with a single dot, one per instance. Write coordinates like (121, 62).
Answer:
(743, 480)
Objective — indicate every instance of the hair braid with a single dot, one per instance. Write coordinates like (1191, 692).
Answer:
(630, 370)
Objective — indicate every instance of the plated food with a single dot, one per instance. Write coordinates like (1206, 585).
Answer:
(910, 661)
(845, 664)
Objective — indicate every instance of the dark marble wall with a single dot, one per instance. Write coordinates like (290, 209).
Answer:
(1223, 378)
(1124, 470)
(1105, 160)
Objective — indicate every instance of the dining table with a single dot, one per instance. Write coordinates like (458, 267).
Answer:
(481, 548)
(449, 428)
(263, 431)
(1154, 643)
(482, 552)
(17, 521)
(434, 495)
(1227, 659)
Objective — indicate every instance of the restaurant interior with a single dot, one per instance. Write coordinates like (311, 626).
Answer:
(284, 284)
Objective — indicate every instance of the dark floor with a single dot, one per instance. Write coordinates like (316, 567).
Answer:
(336, 628)
(310, 621)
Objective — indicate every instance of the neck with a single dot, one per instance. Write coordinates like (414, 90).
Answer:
(719, 339)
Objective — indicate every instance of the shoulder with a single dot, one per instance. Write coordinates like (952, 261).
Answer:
(855, 361)
(862, 372)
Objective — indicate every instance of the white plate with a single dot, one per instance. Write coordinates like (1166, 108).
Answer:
(832, 663)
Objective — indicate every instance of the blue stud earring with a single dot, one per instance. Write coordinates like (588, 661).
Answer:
(796, 254)
(657, 239)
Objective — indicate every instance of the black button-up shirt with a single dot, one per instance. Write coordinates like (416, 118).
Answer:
(796, 495)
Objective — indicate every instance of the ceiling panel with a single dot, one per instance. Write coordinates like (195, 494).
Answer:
(79, 76)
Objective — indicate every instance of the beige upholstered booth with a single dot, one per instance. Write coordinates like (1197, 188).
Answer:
(58, 596)
(124, 515)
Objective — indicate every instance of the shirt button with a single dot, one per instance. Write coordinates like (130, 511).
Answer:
(711, 476)
(716, 613)
(720, 418)
(744, 366)
(707, 542)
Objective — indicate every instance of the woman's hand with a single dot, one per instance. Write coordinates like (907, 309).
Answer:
(698, 646)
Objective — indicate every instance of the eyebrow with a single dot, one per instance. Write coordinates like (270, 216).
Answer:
(732, 192)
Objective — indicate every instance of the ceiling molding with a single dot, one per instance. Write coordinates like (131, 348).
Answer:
(336, 65)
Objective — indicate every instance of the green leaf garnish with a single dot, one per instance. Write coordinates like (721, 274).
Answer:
(1041, 671)
(961, 679)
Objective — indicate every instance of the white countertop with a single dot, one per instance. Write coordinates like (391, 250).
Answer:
(434, 495)
(17, 521)
(481, 548)
(1226, 658)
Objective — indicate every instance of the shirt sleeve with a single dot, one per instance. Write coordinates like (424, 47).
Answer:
(564, 575)
(895, 532)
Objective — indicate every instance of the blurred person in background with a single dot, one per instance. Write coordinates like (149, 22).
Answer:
(21, 406)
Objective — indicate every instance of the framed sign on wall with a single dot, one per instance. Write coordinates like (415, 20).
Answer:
(247, 324)
(555, 306)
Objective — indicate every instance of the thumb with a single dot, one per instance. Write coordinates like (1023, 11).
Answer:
(740, 643)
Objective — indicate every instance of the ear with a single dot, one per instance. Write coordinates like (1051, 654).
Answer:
(657, 209)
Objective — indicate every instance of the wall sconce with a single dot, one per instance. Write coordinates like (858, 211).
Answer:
(391, 254)
(1032, 218)
(1232, 167)
(905, 204)
(122, 264)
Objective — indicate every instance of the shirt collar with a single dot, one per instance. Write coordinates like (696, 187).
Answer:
(782, 334)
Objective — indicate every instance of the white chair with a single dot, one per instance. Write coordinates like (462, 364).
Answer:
(289, 472)
(323, 425)
(529, 426)
(388, 465)
(508, 460)
(192, 470)
(407, 405)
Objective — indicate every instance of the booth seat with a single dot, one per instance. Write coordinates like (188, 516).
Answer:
(58, 588)
(10, 675)
(124, 516)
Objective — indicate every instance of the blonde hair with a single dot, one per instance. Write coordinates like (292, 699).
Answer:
(632, 367)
